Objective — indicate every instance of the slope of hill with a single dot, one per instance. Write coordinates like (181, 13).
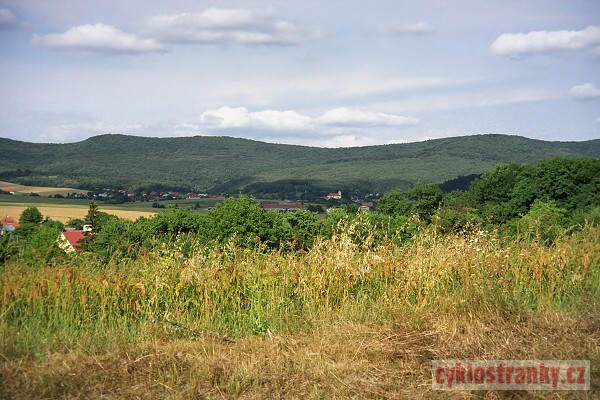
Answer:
(224, 164)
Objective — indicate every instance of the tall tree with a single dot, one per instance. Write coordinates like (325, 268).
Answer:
(31, 215)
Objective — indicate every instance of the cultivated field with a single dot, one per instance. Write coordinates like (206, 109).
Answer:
(41, 190)
(64, 212)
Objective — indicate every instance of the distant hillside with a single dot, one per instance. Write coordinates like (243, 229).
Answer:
(224, 164)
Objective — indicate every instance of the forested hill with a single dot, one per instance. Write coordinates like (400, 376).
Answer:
(224, 164)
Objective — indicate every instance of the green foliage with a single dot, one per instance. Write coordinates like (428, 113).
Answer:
(544, 222)
(425, 200)
(245, 219)
(574, 183)
(303, 228)
(114, 240)
(494, 190)
(31, 215)
(216, 164)
(394, 203)
(76, 223)
(42, 244)
(92, 216)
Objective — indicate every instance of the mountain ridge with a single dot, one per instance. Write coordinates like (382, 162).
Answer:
(231, 165)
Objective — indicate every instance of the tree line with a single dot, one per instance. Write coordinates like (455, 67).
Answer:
(539, 202)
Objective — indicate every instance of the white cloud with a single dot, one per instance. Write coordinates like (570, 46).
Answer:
(598, 120)
(240, 117)
(545, 41)
(347, 117)
(586, 91)
(7, 19)
(98, 38)
(419, 28)
(273, 120)
(218, 25)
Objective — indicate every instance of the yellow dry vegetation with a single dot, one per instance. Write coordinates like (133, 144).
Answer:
(41, 190)
(63, 212)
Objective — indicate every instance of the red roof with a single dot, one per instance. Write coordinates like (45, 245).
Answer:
(75, 237)
(9, 221)
(367, 204)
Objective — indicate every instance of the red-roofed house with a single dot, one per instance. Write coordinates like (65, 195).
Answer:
(71, 240)
(366, 205)
(8, 224)
(334, 195)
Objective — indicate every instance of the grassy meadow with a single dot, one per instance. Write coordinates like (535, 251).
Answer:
(340, 320)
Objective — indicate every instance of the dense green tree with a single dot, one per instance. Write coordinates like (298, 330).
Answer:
(31, 215)
(42, 244)
(495, 186)
(573, 183)
(426, 199)
(394, 203)
(304, 228)
(242, 217)
(493, 192)
(544, 222)
(76, 223)
(92, 215)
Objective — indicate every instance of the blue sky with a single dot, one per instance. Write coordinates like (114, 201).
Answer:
(319, 73)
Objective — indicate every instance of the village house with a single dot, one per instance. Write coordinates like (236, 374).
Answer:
(71, 239)
(8, 224)
(334, 195)
(366, 206)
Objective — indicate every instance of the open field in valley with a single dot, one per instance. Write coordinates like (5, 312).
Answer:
(64, 212)
(41, 190)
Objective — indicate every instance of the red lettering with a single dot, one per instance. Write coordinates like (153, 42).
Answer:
(489, 372)
(500, 371)
(544, 378)
(532, 375)
(509, 371)
(470, 373)
(581, 377)
(520, 375)
(554, 371)
(449, 375)
(570, 378)
(479, 374)
(460, 374)
(438, 375)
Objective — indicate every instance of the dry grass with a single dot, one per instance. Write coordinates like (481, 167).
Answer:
(342, 361)
(342, 320)
(41, 190)
(62, 213)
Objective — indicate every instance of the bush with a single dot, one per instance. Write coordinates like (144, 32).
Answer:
(544, 222)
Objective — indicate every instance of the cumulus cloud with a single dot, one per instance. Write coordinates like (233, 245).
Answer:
(509, 44)
(240, 117)
(219, 25)
(7, 19)
(586, 91)
(347, 117)
(98, 38)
